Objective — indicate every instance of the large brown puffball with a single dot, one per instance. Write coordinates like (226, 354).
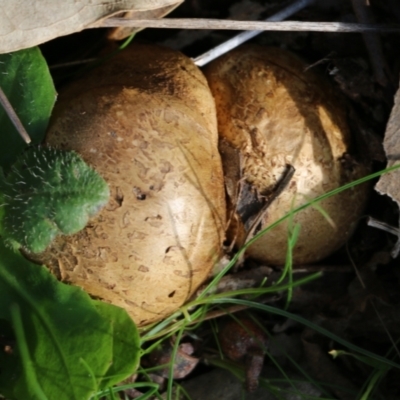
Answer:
(146, 122)
(275, 112)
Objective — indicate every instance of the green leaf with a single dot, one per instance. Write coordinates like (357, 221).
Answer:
(125, 335)
(64, 345)
(27, 83)
(48, 192)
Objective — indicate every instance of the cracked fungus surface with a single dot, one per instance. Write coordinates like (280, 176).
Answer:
(276, 113)
(161, 232)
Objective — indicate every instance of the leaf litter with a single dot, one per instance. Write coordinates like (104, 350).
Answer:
(23, 26)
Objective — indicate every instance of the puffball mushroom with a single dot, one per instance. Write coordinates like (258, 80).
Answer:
(275, 112)
(146, 122)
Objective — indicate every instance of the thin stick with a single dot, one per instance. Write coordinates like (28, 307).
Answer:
(214, 24)
(243, 37)
(8, 108)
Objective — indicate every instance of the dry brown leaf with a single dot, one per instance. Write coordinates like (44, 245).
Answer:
(25, 25)
(389, 184)
(123, 32)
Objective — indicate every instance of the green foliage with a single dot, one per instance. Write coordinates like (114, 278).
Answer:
(64, 344)
(46, 193)
(27, 83)
(57, 343)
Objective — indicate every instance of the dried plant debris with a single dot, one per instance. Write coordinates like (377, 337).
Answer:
(183, 364)
(389, 183)
(121, 32)
(22, 27)
(244, 341)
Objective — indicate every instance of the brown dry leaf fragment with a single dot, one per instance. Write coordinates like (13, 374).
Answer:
(25, 25)
(389, 183)
(123, 32)
(184, 362)
(244, 341)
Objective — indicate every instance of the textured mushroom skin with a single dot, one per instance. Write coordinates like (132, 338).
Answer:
(146, 122)
(277, 113)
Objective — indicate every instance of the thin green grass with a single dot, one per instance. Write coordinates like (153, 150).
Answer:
(192, 314)
(150, 387)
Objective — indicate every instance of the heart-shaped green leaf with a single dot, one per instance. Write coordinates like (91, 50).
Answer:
(58, 343)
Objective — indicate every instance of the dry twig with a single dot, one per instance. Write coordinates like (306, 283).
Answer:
(284, 26)
(243, 37)
(8, 108)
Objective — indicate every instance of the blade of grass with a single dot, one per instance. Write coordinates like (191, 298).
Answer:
(292, 240)
(172, 323)
(148, 394)
(311, 325)
(252, 291)
(301, 370)
(318, 199)
(180, 389)
(242, 250)
(135, 385)
(377, 376)
(173, 358)
(111, 394)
